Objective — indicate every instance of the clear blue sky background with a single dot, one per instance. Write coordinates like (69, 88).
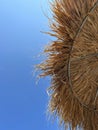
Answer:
(22, 102)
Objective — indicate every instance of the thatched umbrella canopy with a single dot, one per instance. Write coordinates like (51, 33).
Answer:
(72, 63)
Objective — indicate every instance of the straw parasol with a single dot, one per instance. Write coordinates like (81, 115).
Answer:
(72, 63)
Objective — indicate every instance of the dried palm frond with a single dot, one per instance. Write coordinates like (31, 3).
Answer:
(72, 63)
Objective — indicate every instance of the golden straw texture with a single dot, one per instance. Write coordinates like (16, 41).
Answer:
(72, 63)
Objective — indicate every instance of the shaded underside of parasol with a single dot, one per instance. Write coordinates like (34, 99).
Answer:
(72, 63)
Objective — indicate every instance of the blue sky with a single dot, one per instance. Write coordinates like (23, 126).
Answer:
(22, 102)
